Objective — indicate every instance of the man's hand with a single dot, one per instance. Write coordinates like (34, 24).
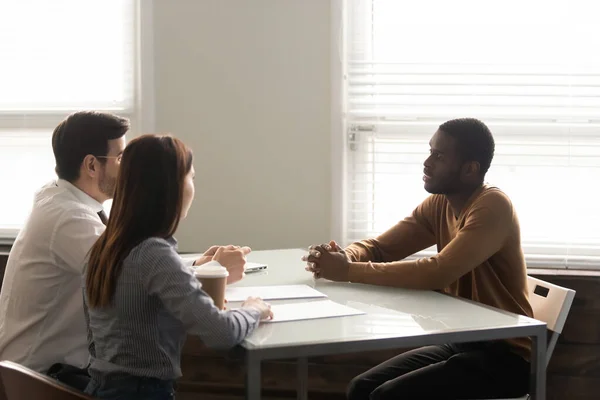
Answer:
(208, 255)
(213, 249)
(234, 259)
(332, 246)
(328, 261)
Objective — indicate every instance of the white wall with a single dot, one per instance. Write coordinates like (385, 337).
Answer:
(247, 85)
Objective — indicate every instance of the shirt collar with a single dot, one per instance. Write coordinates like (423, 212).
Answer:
(172, 241)
(80, 194)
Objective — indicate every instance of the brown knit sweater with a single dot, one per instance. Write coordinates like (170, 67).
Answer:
(479, 254)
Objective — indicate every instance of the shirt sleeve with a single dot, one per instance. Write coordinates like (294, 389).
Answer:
(485, 231)
(169, 279)
(73, 236)
(407, 237)
(188, 261)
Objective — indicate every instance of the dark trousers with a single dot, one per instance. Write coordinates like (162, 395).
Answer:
(77, 378)
(129, 387)
(447, 372)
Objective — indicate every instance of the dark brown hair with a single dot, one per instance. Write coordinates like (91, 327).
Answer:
(148, 203)
(81, 134)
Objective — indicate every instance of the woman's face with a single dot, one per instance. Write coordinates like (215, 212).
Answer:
(188, 192)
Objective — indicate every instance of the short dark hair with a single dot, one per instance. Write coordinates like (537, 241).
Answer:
(81, 134)
(474, 141)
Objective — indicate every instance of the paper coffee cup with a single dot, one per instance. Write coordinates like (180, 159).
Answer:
(214, 281)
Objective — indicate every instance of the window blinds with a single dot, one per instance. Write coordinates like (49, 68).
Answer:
(527, 69)
(56, 57)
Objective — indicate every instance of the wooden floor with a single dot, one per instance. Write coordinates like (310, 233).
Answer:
(574, 370)
(199, 396)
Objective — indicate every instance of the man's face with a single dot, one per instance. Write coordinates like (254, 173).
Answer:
(108, 172)
(442, 172)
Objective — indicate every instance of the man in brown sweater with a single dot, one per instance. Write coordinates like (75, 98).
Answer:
(477, 234)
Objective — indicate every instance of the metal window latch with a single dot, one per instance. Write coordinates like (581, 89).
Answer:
(352, 134)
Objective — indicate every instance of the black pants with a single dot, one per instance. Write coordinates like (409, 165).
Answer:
(77, 378)
(448, 372)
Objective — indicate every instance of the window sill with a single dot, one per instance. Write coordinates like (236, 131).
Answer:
(563, 272)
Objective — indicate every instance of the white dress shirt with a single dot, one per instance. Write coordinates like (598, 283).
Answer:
(41, 305)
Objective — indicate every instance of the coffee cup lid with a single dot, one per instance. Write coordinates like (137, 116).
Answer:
(212, 271)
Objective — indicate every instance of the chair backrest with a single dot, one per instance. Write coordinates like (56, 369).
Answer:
(22, 383)
(551, 304)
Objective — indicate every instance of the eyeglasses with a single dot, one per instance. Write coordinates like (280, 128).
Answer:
(118, 158)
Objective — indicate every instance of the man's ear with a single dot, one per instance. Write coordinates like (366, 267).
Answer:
(89, 166)
(471, 169)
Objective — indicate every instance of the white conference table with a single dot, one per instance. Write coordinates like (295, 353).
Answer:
(395, 318)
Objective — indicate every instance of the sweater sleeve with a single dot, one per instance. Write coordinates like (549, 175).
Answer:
(484, 232)
(407, 237)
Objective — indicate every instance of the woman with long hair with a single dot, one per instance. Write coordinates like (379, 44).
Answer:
(140, 299)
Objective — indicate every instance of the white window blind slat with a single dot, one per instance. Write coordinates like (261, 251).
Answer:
(531, 76)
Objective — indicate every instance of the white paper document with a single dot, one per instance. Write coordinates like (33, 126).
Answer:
(281, 292)
(311, 310)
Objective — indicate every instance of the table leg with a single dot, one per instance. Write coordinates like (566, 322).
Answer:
(302, 390)
(538, 366)
(253, 379)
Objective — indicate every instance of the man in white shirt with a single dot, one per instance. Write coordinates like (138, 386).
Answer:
(42, 324)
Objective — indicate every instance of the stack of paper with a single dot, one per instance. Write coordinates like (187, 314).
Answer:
(281, 292)
(311, 310)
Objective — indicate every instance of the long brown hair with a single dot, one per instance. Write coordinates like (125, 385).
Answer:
(148, 202)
